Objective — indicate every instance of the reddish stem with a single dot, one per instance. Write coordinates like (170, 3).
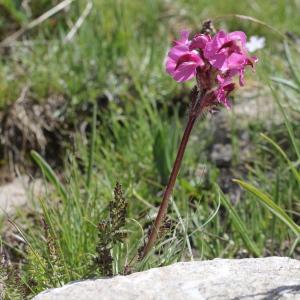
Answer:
(168, 191)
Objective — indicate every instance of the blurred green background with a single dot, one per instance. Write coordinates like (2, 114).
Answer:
(83, 84)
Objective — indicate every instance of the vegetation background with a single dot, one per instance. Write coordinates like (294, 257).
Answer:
(85, 103)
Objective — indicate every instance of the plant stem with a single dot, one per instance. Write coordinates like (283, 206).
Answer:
(169, 188)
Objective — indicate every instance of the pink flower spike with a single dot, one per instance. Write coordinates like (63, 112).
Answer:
(214, 61)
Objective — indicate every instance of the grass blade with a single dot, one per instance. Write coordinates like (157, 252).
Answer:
(287, 123)
(286, 82)
(92, 145)
(270, 204)
(240, 226)
(45, 16)
(283, 154)
(184, 229)
(49, 173)
(291, 63)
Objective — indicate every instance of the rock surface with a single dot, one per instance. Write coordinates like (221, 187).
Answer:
(16, 193)
(255, 103)
(262, 278)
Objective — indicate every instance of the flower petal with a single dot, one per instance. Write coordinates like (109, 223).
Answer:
(199, 41)
(185, 72)
(177, 51)
(238, 36)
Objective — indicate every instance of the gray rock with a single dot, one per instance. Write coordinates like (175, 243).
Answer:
(262, 278)
(221, 155)
(1, 291)
(255, 104)
(17, 193)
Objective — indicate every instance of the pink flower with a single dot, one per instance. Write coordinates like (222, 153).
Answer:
(227, 52)
(214, 61)
(181, 62)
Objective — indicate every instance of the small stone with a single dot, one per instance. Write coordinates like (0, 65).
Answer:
(221, 155)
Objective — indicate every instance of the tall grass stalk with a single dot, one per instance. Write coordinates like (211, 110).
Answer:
(92, 145)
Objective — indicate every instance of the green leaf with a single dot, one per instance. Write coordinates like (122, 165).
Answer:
(49, 173)
(161, 157)
(270, 204)
(164, 149)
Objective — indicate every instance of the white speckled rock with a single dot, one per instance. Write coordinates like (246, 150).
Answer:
(262, 278)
